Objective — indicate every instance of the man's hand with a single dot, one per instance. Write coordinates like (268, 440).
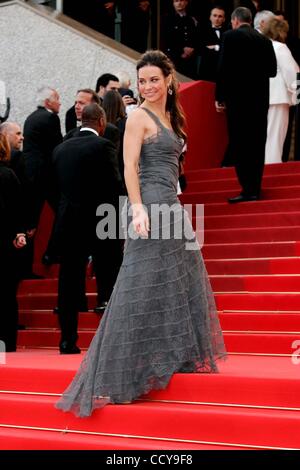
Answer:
(20, 240)
(128, 100)
(220, 107)
(187, 52)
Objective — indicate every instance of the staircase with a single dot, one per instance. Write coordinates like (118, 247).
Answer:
(252, 254)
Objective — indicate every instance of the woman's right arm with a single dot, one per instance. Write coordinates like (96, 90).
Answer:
(133, 140)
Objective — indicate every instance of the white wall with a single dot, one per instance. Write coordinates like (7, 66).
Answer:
(36, 51)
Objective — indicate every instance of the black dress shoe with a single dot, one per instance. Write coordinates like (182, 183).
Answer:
(101, 307)
(66, 348)
(242, 198)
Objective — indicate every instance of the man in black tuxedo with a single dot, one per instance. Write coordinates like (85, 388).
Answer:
(83, 98)
(247, 61)
(86, 177)
(42, 133)
(210, 38)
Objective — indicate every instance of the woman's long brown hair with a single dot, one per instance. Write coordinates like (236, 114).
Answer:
(158, 59)
(4, 149)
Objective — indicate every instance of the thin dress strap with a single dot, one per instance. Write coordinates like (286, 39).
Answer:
(155, 118)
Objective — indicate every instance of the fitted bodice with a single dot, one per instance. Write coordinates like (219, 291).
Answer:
(159, 163)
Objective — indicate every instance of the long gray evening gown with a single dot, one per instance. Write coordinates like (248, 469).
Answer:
(161, 317)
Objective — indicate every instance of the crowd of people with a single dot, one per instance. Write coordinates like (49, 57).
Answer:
(33, 172)
(103, 155)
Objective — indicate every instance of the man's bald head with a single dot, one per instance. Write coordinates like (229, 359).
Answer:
(94, 116)
(14, 134)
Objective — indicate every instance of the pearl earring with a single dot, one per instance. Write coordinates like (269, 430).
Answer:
(170, 91)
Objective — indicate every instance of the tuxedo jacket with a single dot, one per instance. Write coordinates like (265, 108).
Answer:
(42, 134)
(247, 61)
(111, 132)
(87, 176)
(209, 57)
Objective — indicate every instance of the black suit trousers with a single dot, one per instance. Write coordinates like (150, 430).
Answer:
(247, 148)
(71, 286)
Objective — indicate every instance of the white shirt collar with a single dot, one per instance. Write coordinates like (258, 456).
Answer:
(90, 130)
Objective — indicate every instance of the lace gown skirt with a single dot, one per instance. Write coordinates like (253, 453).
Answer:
(161, 319)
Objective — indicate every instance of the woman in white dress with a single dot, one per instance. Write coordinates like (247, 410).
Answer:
(282, 90)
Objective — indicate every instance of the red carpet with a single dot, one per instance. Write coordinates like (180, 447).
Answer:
(252, 253)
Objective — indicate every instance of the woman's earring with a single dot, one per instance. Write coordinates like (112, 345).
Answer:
(170, 91)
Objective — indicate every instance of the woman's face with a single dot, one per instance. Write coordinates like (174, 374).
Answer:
(152, 84)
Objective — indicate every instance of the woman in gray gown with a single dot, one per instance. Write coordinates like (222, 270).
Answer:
(161, 318)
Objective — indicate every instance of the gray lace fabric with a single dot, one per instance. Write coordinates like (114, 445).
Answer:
(161, 318)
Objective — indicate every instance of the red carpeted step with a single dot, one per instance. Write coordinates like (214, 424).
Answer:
(279, 321)
(223, 208)
(252, 220)
(251, 250)
(32, 286)
(251, 235)
(48, 272)
(254, 266)
(247, 380)
(235, 342)
(47, 319)
(263, 283)
(255, 283)
(43, 439)
(260, 321)
(269, 181)
(49, 338)
(162, 421)
(202, 197)
(261, 343)
(89, 321)
(258, 301)
(288, 168)
(44, 301)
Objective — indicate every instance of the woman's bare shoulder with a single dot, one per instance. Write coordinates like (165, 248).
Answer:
(138, 115)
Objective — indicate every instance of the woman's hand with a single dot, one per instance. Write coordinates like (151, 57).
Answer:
(140, 220)
(20, 240)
